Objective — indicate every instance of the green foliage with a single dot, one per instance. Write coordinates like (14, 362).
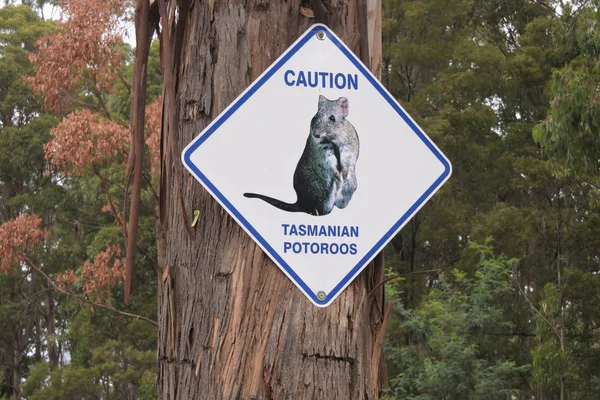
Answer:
(448, 357)
(20, 28)
(119, 102)
(148, 389)
(479, 77)
(571, 127)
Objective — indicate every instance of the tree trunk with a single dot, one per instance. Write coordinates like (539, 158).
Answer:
(231, 324)
(51, 325)
(16, 374)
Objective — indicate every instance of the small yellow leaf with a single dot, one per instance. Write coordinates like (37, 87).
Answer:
(196, 216)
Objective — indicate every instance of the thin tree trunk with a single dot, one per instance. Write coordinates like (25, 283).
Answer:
(231, 324)
(51, 325)
(138, 106)
(561, 329)
(16, 374)
(38, 341)
(23, 333)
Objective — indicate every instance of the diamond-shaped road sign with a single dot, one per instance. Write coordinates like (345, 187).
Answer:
(318, 163)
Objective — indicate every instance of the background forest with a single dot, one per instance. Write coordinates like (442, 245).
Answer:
(494, 284)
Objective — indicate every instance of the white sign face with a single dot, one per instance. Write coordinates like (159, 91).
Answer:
(318, 163)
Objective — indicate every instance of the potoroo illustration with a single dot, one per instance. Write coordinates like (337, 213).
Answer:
(325, 175)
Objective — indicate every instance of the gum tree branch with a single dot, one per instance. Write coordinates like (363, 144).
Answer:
(82, 298)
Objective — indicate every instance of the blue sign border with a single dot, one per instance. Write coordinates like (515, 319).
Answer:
(186, 157)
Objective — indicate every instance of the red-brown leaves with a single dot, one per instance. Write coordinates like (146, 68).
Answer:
(100, 276)
(153, 129)
(97, 278)
(84, 138)
(17, 237)
(65, 280)
(83, 51)
(112, 207)
(81, 57)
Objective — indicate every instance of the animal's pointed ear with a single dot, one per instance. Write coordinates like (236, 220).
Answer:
(344, 106)
(322, 100)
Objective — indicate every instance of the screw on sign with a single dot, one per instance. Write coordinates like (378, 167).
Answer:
(333, 169)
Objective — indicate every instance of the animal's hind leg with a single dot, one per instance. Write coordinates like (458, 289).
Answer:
(347, 191)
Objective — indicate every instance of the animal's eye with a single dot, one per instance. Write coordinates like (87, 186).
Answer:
(332, 118)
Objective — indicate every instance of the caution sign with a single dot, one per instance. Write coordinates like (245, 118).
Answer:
(318, 163)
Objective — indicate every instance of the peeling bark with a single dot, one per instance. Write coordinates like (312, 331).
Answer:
(231, 324)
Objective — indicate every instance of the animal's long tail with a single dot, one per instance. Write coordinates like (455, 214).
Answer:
(276, 203)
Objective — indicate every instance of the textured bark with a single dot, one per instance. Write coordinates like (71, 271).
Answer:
(231, 324)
